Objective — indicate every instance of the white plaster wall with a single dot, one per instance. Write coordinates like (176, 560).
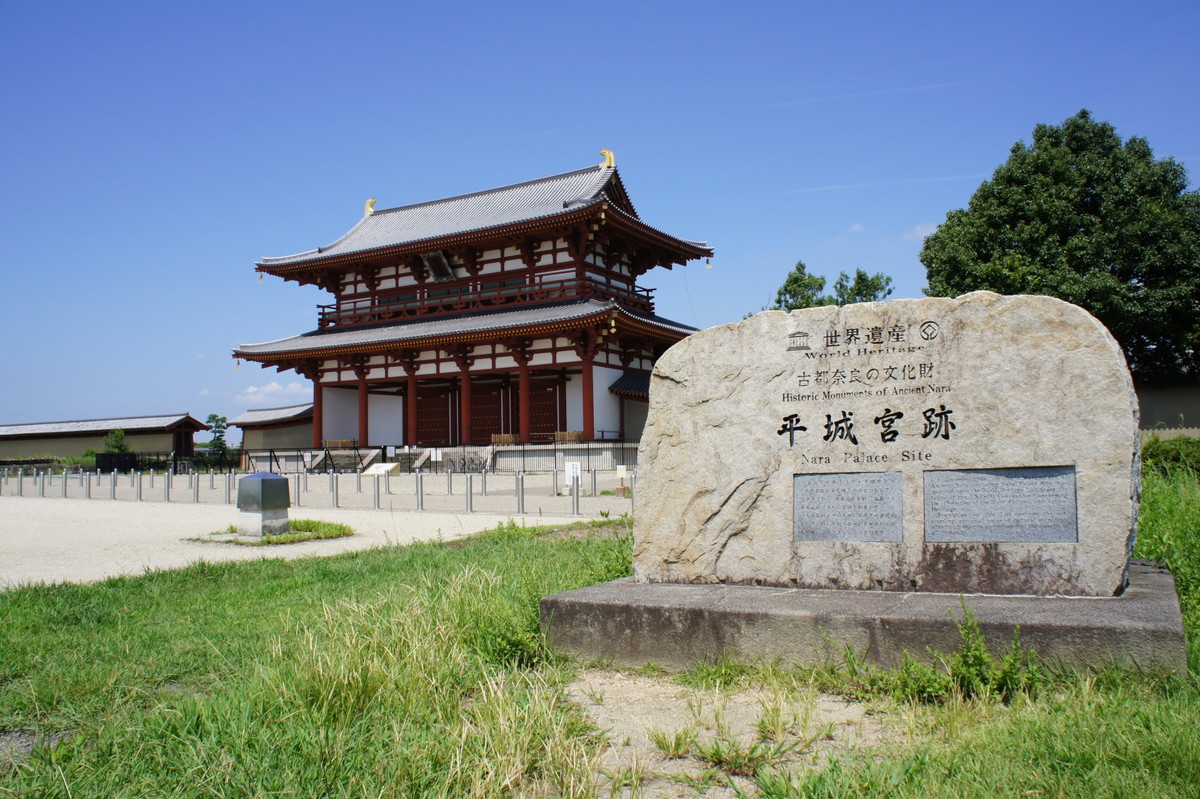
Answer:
(574, 404)
(340, 412)
(386, 417)
(607, 405)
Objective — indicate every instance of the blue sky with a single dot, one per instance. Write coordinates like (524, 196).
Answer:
(151, 152)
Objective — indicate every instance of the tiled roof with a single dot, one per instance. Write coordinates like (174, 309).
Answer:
(129, 424)
(632, 384)
(520, 202)
(256, 416)
(456, 325)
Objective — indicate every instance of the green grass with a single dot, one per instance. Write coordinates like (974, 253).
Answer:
(406, 671)
(420, 671)
(298, 530)
(1169, 532)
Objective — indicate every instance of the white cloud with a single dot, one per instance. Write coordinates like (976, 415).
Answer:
(200, 356)
(919, 232)
(204, 392)
(274, 392)
(857, 227)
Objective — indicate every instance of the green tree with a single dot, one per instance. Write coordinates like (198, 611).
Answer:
(1095, 221)
(218, 425)
(115, 442)
(864, 288)
(802, 290)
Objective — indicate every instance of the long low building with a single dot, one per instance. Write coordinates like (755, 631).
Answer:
(276, 428)
(172, 432)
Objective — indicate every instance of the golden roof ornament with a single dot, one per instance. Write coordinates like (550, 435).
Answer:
(610, 160)
(369, 207)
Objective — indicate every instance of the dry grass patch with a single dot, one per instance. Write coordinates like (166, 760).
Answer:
(664, 739)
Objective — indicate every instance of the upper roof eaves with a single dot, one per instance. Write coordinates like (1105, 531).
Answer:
(466, 213)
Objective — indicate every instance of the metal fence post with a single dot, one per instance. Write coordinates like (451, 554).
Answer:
(42, 485)
(521, 492)
(554, 482)
(112, 487)
(167, 488)
(470, 498)
(375, 491)
(333, 488)
(138, 491)
(449, 483)
(228, 489)
(20, 482)
(87, 488)
(296, 498)
(358, 482)
(195, 489)
(575, 497)
(64, 483)
(483, 483)
(420, 490)
(211, 477)
(593, 482)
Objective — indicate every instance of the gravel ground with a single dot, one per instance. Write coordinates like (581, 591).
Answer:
(51, 540)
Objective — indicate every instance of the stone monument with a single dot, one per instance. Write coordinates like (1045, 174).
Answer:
(983, 444)
(848, 474)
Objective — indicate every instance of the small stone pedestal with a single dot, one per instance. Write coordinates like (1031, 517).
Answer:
(263, 499)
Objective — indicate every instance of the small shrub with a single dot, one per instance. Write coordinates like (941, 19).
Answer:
(1166, 455)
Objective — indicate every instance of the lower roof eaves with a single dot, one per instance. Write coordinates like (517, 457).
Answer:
(463, 327)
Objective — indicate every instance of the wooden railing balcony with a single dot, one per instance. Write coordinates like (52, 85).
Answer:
(422, 302)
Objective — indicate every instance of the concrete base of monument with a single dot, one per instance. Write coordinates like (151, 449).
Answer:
(675, 625)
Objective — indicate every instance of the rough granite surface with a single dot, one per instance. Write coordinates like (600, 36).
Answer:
(983, 381)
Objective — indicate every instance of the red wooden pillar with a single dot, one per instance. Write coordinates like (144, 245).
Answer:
(362, 411)
(464, 410)
(589, 402)
(410, 412)
(524, 398)
(318, 436)
(562, 402)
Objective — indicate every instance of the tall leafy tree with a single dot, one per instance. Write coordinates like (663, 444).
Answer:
(218, 424)
(1096, 221)
(802, 290)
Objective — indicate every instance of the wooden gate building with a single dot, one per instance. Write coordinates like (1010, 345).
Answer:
(504, 316)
